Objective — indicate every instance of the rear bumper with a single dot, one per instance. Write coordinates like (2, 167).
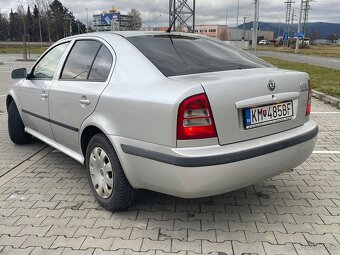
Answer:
(209, 170)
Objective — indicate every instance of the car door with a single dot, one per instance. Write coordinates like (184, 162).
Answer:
(34, 91)
(75, 95)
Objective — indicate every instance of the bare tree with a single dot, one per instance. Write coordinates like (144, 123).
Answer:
(21, 14)
(136, 19)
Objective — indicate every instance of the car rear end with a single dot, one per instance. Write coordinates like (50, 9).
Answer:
(249, 122)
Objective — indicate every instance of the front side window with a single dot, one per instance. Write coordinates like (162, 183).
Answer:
(80, 60)
(47, 66)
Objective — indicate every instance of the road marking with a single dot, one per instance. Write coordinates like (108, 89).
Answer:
(326, 152)
(24, 165)
(3, 95)
(326, 112)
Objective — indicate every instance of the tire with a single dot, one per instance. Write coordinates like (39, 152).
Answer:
(100, 155)
(16, 128)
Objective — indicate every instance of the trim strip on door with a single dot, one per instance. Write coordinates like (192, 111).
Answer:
(51, 121)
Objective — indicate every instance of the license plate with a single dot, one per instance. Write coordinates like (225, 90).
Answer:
(268, 114)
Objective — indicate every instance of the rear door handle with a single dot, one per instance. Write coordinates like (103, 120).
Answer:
(84, 101)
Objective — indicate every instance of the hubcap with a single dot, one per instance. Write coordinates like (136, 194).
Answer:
(101, 172)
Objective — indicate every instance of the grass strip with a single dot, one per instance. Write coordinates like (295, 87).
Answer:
(19, 49)
(325, 80)
(313, 50)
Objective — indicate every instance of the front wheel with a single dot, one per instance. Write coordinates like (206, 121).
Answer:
(106, 177)
(16, 128)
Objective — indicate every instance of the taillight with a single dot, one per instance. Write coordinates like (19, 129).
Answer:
(309, 100)
(195, 119)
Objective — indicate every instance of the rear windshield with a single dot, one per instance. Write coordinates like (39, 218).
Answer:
(177, 55)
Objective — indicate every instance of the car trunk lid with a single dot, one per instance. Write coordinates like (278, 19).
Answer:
(231, 93)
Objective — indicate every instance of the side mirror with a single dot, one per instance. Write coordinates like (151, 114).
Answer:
(20, 73)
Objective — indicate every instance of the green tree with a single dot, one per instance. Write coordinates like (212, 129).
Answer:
(4, 25)
(15, 26)
(29, 23)
(58, 17)
(35, 24)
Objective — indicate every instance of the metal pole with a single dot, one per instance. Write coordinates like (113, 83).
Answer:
(299, 29)
(170, 13)
(149, 22)
(254, 26)
(87, 21)
(238, 10)
(174, 13)
(257, 23)
(244, 28)
(39, 20)
(194, 17)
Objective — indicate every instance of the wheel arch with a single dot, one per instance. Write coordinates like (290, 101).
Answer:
(86, 136)
(9, 100)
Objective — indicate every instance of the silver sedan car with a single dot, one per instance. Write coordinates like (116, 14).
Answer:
(176, 113)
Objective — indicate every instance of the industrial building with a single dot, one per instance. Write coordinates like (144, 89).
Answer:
(221, 32)
(112, 20)
(247, 35)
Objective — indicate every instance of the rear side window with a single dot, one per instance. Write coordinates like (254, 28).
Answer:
(102, 65)
(88, 60)
(180, 55)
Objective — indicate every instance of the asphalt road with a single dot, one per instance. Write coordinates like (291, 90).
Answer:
(313, 60)
(10, 62)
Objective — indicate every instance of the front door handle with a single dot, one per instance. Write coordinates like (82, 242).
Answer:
(44, 95)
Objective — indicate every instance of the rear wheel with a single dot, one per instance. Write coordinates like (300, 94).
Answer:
(16, 128)
(106, 177)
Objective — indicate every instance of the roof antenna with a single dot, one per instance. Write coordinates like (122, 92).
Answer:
(169, 28)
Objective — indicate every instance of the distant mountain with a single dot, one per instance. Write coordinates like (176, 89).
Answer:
(317, 30)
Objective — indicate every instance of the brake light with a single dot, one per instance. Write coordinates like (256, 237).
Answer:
(309, 100)
(195, 119)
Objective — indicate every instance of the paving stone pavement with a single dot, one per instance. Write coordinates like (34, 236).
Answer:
(48, 209)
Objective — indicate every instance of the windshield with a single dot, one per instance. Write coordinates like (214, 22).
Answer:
(177, 55)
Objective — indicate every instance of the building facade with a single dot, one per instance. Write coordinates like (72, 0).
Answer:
(221, 32)
(112, 21)
(247, 35)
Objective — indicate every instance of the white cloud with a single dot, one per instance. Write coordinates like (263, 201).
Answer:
(207, 11)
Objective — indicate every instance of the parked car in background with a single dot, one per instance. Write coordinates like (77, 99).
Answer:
(337, 42)
(177, 113)
(322, 42)
(305, 41)
(263, 42)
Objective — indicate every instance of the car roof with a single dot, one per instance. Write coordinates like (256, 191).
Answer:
(145, 33)
(127, 34)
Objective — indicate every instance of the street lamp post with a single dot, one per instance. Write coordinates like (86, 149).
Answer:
(87, 21)
(237, 13)
(39, 20)
(158, 16)
(255, 24)
(299, 30)
(244, 27)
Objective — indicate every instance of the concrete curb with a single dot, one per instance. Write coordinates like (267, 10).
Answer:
(327, 99)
